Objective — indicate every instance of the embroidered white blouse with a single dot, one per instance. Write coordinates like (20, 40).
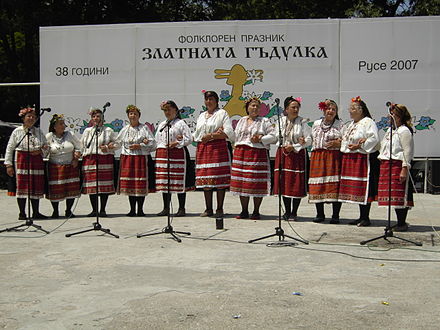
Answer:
(178, 127)
(364, 129)
(136, 135)
(402, 144)
(105, 136)
(322, 133)
(220, 118)
(292, 131)
(245, 130)
(37, 140)
(61, 149)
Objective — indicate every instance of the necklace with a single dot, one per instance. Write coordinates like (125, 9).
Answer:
(325, 127)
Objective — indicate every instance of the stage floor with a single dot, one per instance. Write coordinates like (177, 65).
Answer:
(214, 279)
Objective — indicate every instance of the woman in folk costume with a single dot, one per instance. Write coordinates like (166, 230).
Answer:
(213, 160)
(105, 158)
(173, 136)
(136, 141)
(29, 166)
(250, 173)
(64, 152)
(360, 167)
(402, 153)
(325, 161)
(291, 157)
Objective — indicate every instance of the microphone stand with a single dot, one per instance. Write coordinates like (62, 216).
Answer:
(388, 228)
(279, 231)
(96, 225)
(168, 229)
(29, 222)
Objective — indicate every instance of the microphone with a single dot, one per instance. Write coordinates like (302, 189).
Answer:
(277, 102)
(46, 109)
(388, 104)
(105, 107)
(166, 124)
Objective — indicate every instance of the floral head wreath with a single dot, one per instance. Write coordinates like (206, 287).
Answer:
(253, 98)
(132, 107)
(297, 99)
(24, 111)
(203, 91)
(56, 117)
(325, 104)
(356, 99)
(92, 110)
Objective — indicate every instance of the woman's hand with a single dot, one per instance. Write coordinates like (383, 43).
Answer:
(301, 140)
(221, 133)
(10, 171)
(103, 147)
(173, 144)
(77, 155)
(207, 137)
(403, 174)
(134, 146)
(355, 146)
(289, 148)
(336, 143)
(256, 138)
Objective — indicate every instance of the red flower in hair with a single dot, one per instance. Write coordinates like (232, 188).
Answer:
(322, 105)
(356, 99)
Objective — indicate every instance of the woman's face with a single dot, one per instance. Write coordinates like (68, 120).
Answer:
(133, 117)
(211, 103)
(59, 127)
(29, 119)
(97, 118)
(170, 113)
(330, 113)
(355, 111)
(254, 109)
(292, 110)
(396, 117)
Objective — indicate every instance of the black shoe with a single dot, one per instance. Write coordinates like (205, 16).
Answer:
(355, 222)
(140, 213)
(55, 215)
(243, 215)
(163, 212)
(180, 212)
(334, 220)
(207, 213)
(364, 223)
(92, 214)
(401, 228)
(103, 214)
(131, 214)
(286, 216)
(39, 216)
(319, 219)
(22, 216)
(69, 214)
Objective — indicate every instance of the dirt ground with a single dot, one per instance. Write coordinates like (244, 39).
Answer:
(215, 279)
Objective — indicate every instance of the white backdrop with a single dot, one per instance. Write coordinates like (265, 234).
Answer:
(395, 59)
